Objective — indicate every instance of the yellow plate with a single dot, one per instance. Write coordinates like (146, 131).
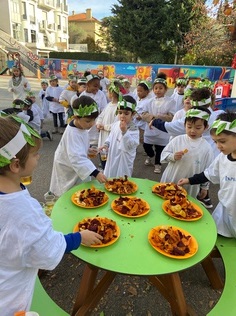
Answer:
(74, 199)
(121, 188)
(193, 245)
(101, 219)
(165, 207)
(169, 196)
(146, 211)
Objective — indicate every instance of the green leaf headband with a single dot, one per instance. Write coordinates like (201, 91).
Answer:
(23, 136)
(187, 93)
(224, 125)
(87, 110)
(205, 84)
(202, 102)
(197, 113)
(147, 83)
(126, 105)
(114, 88)
(160, 80)
(182, 82)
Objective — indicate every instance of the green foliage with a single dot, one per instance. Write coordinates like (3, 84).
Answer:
(76, 34)
(150, 29)
(79, 56)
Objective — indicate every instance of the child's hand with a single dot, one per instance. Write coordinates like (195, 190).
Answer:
(123, 127)
(178, 155)
(147, 117)
(101, 178)
(150, 124)
(89, 238)
(100, 127)
(183, 181)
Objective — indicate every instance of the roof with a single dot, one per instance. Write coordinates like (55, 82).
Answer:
(81, 17)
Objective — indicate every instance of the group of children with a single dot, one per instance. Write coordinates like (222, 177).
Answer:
(189, 154)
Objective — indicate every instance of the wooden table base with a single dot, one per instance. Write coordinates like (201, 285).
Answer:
(89, 294)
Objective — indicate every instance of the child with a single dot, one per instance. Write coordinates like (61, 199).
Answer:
(186, 105)
(27, 240)
(143, 89)
(44, 101)
(17, 109)
(122, 141)
(66, 96)
(93, 91)
(181, 163)
(108, 115)
(18, 84)
(52, 95)
(162, 107)
(178, 95)
(222, 171)
(80, 88)
(71, 164)
(35, 121)
(127, 86)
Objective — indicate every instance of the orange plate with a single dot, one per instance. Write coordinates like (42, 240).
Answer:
(76, 229)
(74, 200)
(165, 208)
(135, 188)
(161, 184)
(132, 216)
(193, 243)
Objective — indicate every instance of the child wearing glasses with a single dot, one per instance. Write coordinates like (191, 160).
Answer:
(122, 141)
(27, 239)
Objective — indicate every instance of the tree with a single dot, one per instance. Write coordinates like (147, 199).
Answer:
(150, 30)
(76, 34)
(209, 41)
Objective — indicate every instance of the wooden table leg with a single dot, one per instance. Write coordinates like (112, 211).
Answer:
(212, 273)
(89, 294)
(86, 286)
(170, 287)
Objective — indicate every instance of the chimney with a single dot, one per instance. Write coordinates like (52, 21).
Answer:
(73, 12)
(88, 14)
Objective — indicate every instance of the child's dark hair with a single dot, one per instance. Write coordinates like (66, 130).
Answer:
(144, 86)
(200, 94)
(161, 75)
(86, 73)
(194, 119)
(161, 79)
(227, 117)
(83, 102)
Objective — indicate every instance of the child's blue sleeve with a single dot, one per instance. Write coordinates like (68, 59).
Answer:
(159, 124)
(73, 241)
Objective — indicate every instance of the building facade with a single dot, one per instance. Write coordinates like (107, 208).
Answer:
(40, 25)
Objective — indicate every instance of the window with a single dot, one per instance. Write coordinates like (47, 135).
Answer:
(32, 13)
(24, 12)
(15, 7)
(45, 39)
(26, 36)
(33, 36)
(15, 30)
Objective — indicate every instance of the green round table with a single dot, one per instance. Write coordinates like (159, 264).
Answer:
(132, 253)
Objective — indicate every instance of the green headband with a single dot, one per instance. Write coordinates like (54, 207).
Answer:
(205, 84)
(125, 104)
(86, 110)
(187, 93)
(23, 136)
(201, 102)
(224, 126)
(147, 84)
(197, 113)
(114, 88)
(181, 81)
(160, 80)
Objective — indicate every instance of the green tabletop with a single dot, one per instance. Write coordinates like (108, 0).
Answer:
(132, 253)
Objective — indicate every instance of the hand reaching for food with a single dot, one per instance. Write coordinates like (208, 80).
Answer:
(183, 181)
(101, 178)
(89, 238)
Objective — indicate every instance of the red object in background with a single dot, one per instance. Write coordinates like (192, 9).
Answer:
(234, 62)
(225, 91)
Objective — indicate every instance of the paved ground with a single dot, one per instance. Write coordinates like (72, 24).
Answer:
(127, 296)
